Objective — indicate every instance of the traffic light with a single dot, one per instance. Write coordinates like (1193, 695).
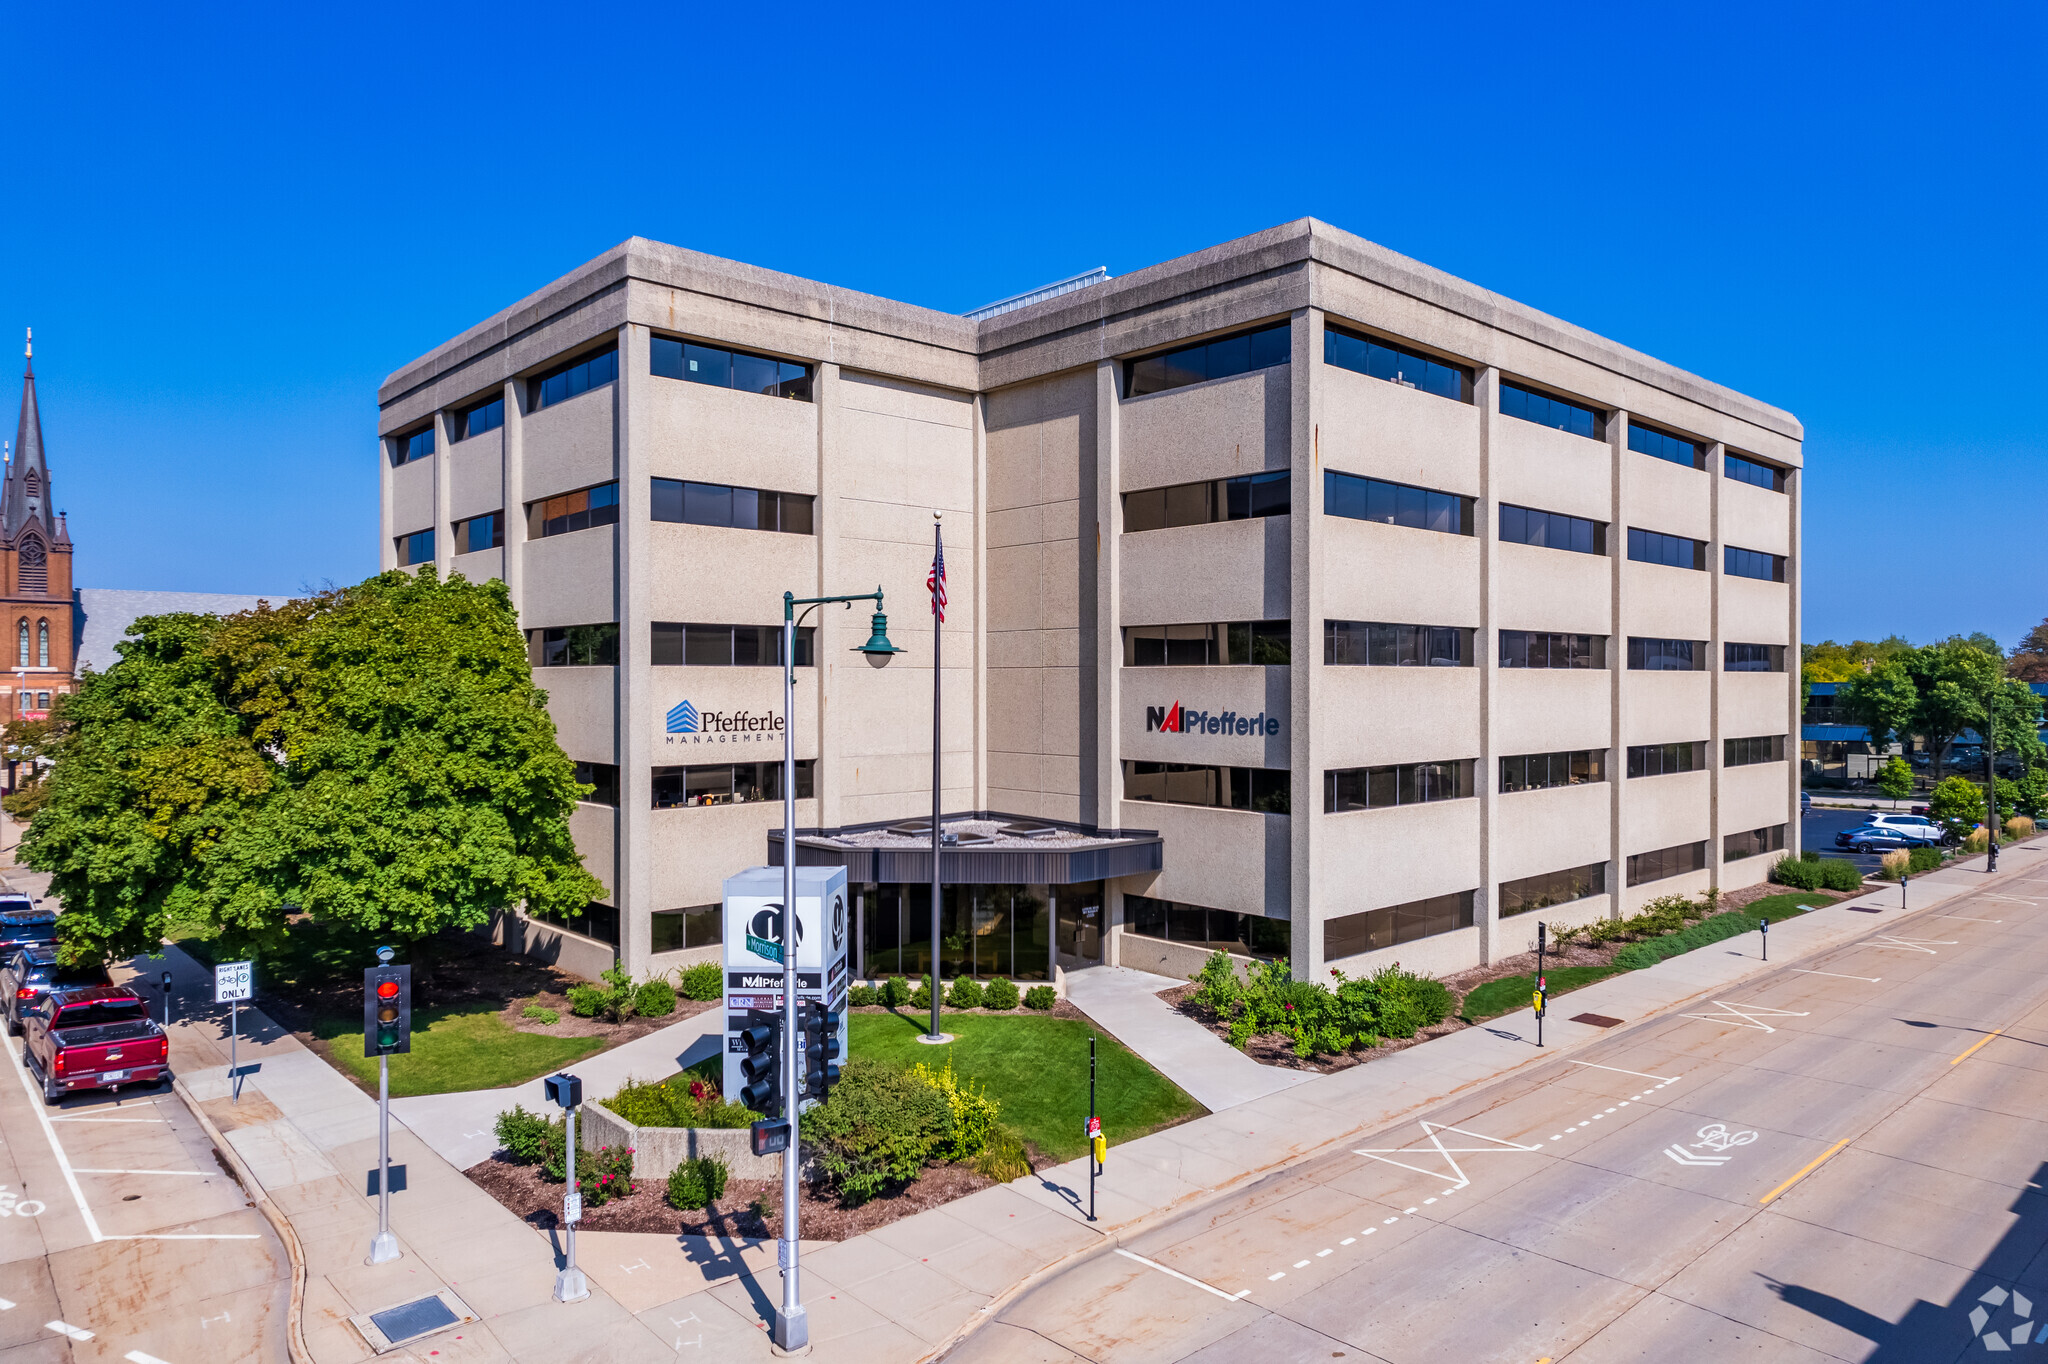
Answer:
(761, 1067)
(820, 1027)
(387, 1010)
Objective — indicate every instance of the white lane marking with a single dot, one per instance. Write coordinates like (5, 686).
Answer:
(165, 1121)
(1206, 1288)
(65, 1328)
(1299, 1263)
(1281, 1275)
(35, 1102)
(6, 1305)
(1747, 1015)
(1347, 1240)
(1427, 1201)
(1837, 975)
(1321, 1253)
(1390, 1221)
(1409, 1212)
(1966, 919)
(137, 1357)
(1434, 1132)
(1667, 1079)
(81, 1169)
(1368, 1231)
(1611, 1109)
(1908, 944)
(1558, 1136)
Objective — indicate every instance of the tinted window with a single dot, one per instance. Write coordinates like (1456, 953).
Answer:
(701, 926)
(1762, 748)
(574, 646)
(1383, 360)
(1218, 359)
(1552, 530)
(1254, 642)
(1538, 771)
(1667, 655)
(1753, 658)
(727, 783)
(1672, 861)
(413, 445)
(1672, 551)
(1361, 643)
(1210, 930)
(575, 511)
(729, 369)
(1351, 934)
(1648, 440)
(1754, 473)
(416, 548)
(1372, 788)
(1752, 842)
(577, 377)
(604, 777)
(1195, 504)
(481, 418)
(99, 1014)
(1236, 788)
(718, 646)
(716, 504)
(1544, 410)
(1750, 563)
(480, 532)
(1396, 504)
(1664, 760)
(1539, 649)
(1552, 888)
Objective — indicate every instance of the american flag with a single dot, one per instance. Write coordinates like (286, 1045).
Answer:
(935, 581)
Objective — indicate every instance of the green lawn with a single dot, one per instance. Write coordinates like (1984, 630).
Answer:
(1498, 997)
(1037, 1069)
(455, 1050)
(1776, 907)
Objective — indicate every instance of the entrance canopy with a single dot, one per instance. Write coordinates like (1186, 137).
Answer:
(979, 849)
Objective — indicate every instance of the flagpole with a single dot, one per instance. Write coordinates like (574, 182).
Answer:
(938, 617)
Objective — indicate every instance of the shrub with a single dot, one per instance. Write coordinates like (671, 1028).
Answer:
(1895, 864)
(678, 1102)
(540, 1013)
(1978, 841)
(654, 999)
(2019, 827)
(1564, 937)
(973, 1112)
(896, 993)
(1924, 859)
(1809, 854)
(1720, 927)
(1832, 873)
(525, 1136)
(705, 980)
(1002, 1156)
(921, 997)
(604, 1174)
(698, 1182)
(1041, 997)
(1000, 994)
(585, 1000)
(878, 1129)
(964, 994)
(1604, 931)
(859, 995)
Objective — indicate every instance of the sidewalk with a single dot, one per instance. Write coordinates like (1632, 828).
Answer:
(1127, 1004)
(905, 1291)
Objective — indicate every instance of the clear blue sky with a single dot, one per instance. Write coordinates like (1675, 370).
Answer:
(228, 223)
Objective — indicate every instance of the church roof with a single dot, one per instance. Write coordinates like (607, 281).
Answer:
(25, 496)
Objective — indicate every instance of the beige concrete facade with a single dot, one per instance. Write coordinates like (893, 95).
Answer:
(1018, 429)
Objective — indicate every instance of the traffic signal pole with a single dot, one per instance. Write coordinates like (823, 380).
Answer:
(385, 1247)
(792, 1323)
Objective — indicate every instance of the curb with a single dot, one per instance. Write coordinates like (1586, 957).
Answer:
(295, 1318)
(1111, 1241)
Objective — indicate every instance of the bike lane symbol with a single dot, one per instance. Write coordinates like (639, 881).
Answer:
(1714, 1147)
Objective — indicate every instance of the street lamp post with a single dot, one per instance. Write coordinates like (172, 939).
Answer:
(792, 1325)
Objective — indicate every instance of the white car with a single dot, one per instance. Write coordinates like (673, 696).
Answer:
(1918, 825)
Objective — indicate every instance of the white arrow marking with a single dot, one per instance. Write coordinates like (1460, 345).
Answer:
(1685, 1157)
(1747, 1015)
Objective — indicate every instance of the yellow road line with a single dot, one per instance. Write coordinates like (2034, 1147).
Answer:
(1808, 1169)
(1987, 1038)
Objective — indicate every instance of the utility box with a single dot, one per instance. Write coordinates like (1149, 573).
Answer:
(755, 940)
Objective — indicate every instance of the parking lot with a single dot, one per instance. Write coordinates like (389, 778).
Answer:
(1819, 827)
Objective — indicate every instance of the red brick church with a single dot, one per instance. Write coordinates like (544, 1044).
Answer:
(37, 639)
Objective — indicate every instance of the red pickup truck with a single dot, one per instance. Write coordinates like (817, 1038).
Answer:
(99, 1037)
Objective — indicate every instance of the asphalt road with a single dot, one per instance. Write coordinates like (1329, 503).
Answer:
(122, 1238)
(1846, 1160)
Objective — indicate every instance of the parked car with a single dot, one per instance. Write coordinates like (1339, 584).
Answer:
(1806, 802)
(32, 973)
(13, 900)
(1865, 838)
(101, 1037)
(30, 927)
(1915, 823)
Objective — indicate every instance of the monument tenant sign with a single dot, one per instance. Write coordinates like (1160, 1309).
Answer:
(756, 938)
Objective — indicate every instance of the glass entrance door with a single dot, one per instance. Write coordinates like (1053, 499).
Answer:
(1079, 924)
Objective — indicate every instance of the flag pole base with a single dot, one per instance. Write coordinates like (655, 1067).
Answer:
(570, 1285)
(936, 1039)
(384, 1249)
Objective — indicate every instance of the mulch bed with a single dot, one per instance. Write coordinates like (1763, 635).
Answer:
(1060, 1009)
(1277, 1049)
(538, 1203)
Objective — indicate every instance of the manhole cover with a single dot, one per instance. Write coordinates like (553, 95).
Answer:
(395, 1326)
(1597, 1020)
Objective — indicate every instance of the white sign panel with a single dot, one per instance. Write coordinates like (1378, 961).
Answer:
(233, 980)
(756, 940)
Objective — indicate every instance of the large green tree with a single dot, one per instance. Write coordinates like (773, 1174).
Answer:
(1883, 701)
(1954, 680)
(375, 756)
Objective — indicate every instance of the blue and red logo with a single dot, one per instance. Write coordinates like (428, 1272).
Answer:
(1177, 719)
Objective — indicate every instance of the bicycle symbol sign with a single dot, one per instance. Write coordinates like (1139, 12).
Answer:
(1714, 1137)
(13, 1206)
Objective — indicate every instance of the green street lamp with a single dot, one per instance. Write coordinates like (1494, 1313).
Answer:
(792, 1323)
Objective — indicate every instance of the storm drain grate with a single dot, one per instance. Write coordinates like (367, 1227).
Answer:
(395, 1326)
(1597, 1020)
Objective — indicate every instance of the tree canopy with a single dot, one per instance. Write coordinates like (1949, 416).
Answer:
(1828, 661)
(2029, 660)
(1940, 690)
(375, 756)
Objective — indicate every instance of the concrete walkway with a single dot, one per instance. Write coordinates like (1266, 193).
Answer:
(1218, 1075)
(459, 1125)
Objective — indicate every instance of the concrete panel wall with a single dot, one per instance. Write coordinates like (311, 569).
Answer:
(570, 579)
(1247, 692)
(722, 435)
(1552, 710)
(581, 702)
(1664, 811)
(1754, 703)
(1396, 574)
(1755, 518)
(1375, 858)
(1693, 884)
(1551, 470)
(1399, 715)
(572, 444)
(1667, 497)
(1753, 796)
(412, 497)
(1756, 612)
(1224, 859)
(1442, 955)
(1665, 603)
(1212, 430)
(480, 566)
(1379, 429)
(697, 581)
(1040, 440)
(692, 850)
(476, 475)
(1546, 831)
(1229, 570)
(1555, 590)
(595, 828)
(1666, 708)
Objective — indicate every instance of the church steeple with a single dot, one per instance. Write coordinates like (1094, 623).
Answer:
(26, 495)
